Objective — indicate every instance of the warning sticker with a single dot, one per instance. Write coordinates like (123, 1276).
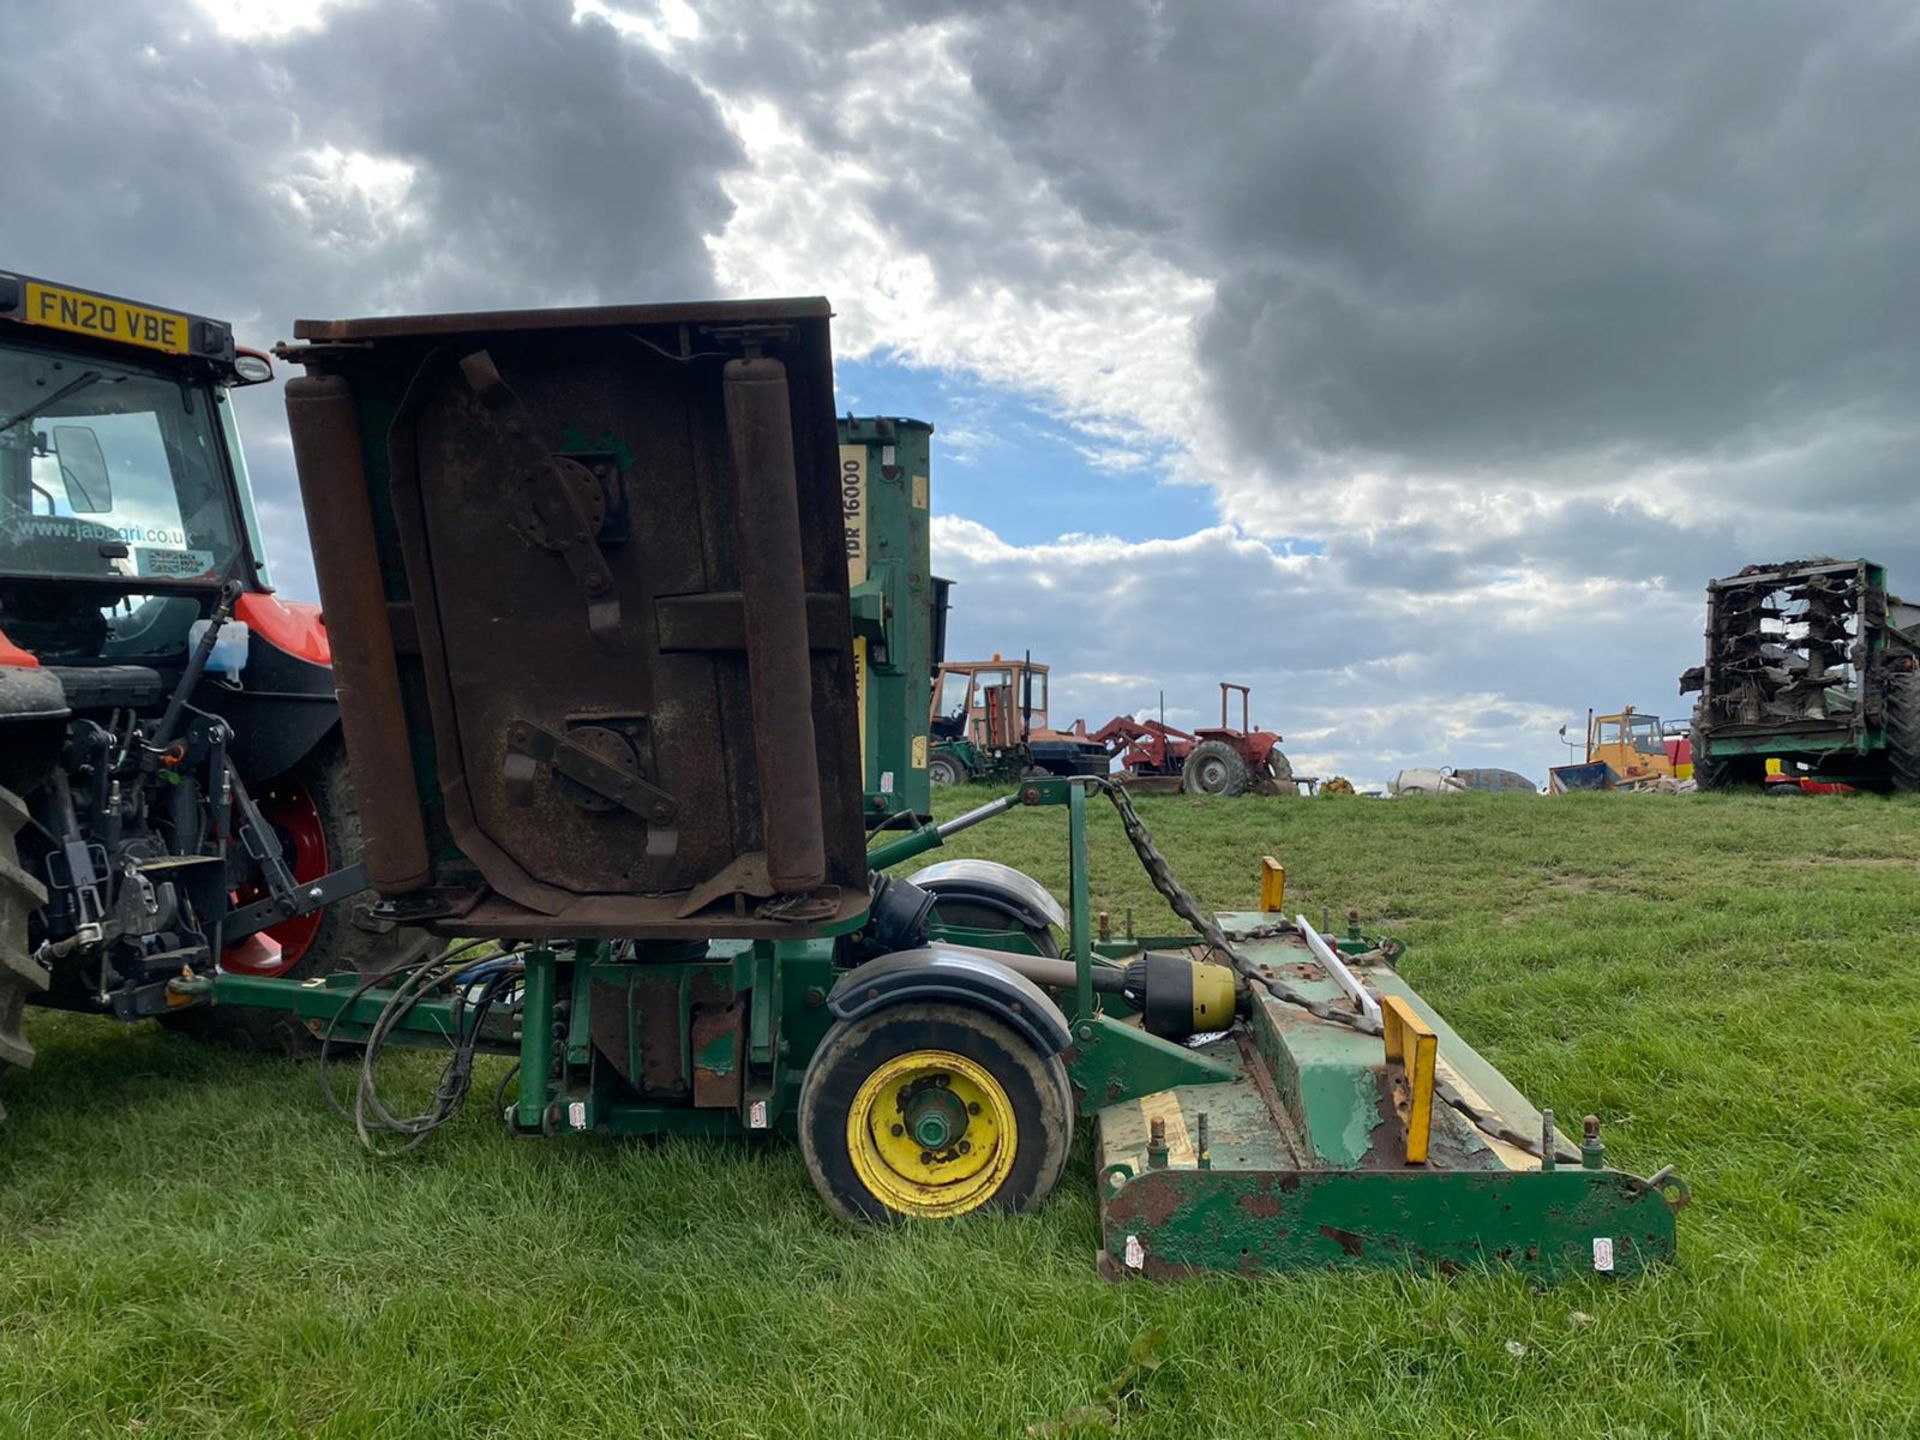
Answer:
(158, 564)
(1603, 1253)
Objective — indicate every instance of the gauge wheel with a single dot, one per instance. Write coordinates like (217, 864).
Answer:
(312, 812)
(20, 974)
(946, 770)
(928, 1111)
(1214, 768)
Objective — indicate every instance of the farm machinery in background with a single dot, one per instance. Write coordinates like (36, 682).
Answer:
(989, 722)
(1809, 681)
(1628, 750)
(589, 600)
(173, 788)
(1211, 760)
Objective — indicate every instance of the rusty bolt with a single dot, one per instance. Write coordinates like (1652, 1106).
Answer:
(816, 997)
(926, 1157)
(899, 1130)
(966, 1147)
(973, 1108)
(1591, 1127)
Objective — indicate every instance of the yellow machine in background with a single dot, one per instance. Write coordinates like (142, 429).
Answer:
(1626, 750)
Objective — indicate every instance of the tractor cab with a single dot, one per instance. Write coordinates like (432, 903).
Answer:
(1633, 744)
(989, 717)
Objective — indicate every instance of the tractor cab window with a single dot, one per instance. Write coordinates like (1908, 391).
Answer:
(953, 695)
(1644, 732)
(1607, 732)
(108, 471)
(1037, 707)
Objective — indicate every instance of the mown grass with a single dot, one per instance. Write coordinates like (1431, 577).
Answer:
(192, 1244)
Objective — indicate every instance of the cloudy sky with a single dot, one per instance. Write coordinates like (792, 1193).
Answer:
(1415, 363)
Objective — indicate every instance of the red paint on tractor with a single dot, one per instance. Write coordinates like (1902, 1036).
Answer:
(295, 818)
(12, 654)
(296, 628)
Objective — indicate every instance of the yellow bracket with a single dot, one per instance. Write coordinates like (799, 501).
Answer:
(1273, 886)
(1411, 1041)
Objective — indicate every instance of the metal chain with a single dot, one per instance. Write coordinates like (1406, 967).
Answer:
(1181, 900)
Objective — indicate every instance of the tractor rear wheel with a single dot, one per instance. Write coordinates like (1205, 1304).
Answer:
(1214, 768)
(925, 1111)
(20, 974)
(1903, 732)
(317, 821)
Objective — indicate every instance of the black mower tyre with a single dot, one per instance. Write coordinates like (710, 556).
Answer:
(344, 938)
(961, 1071)
(1214, 768)
(20, 974)
(968, 913)
(1903, 732)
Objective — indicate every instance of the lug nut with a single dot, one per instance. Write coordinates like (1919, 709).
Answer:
(899, 1130)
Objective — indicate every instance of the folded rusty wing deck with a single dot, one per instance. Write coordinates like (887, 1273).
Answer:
(587, 572)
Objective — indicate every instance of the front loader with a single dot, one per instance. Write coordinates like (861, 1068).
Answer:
(587, 580)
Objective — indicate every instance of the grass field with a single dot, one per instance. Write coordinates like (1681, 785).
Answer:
(192, 1244)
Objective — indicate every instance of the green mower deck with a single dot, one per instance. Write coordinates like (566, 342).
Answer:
(1301, 1161)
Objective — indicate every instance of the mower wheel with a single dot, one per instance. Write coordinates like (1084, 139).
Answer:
(967, 913)
(20, 974)
(1214, 768)
(926, 1111)
(1903, 731)
(317, 820)
(945, 770)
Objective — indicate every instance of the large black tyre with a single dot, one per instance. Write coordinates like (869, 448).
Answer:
(1903, 732)
(339, 938)
(20, 974)
(873, 1078)
(1214, 768)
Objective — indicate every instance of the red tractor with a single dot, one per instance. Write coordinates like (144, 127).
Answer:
(1211, 760)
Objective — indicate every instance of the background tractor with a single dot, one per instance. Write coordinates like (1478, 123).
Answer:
(173, 787)
(1211, 760)
(989, 722)
(1627, 750)
(1813, 664)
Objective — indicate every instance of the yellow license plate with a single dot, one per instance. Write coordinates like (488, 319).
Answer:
(104, 319)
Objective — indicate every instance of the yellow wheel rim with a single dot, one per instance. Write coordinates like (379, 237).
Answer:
(931, 1134)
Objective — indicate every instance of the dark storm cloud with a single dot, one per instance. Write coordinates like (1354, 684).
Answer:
(1495, 233)
(550, 161)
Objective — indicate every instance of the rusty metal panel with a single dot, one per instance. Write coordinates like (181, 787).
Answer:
(612, 553)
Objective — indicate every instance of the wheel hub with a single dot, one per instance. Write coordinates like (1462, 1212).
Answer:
(932, 1134)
